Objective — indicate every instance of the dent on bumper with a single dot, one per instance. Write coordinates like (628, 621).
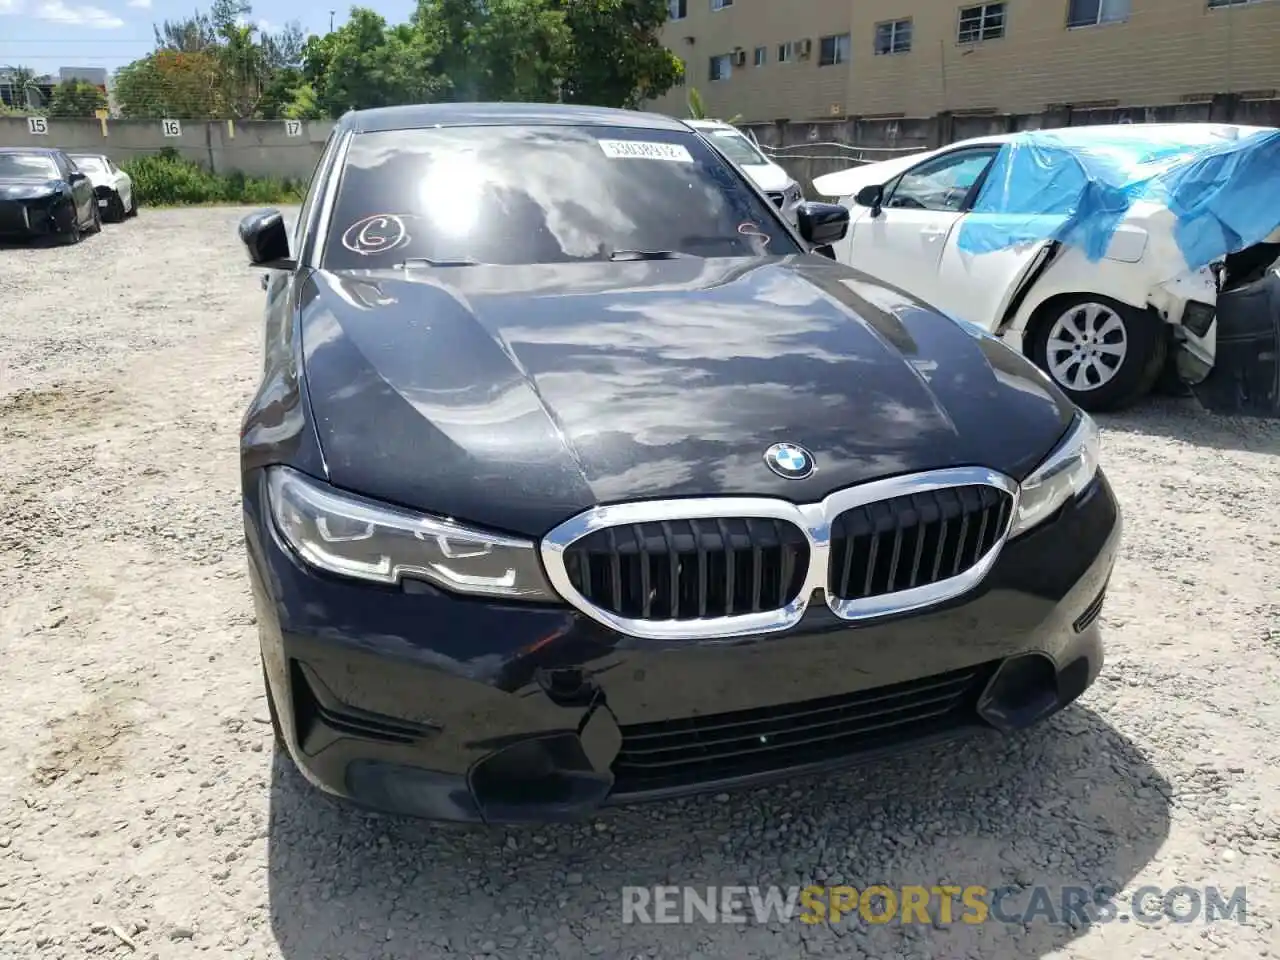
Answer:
(418, 703)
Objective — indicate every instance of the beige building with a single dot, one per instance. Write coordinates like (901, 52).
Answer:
(818, 59)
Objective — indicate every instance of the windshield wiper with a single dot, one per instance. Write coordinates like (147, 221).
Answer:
(621, 255)
(414, 262)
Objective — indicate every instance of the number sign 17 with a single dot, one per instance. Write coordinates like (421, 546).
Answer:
(293, 128)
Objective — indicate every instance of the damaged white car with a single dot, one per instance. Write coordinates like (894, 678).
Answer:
(1105, 254)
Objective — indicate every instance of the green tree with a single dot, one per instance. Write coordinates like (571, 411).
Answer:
(618, 59)
(171, 83)
(23, 90)
(303, 104)
(365, 63)
(496, 49)
(214, 64)
(76, 98)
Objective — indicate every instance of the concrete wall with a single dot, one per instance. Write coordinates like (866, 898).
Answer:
(261, 148)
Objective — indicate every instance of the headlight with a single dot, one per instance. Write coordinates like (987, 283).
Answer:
(355, 537)
(1067, 471)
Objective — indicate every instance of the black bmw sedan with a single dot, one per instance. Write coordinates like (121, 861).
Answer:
(42, 194)
(577, 477)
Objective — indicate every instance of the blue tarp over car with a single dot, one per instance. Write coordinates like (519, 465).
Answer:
(1075, 185)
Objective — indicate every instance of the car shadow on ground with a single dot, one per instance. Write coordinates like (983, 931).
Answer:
(1071, 804)
(37, 243)
(1184, 419)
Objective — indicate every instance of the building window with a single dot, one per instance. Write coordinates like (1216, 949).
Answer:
(677, 9)
(762, 55)
(1234, 3)
(833, 50)
(1087, 13)
(721, 4)
(786, 51)
(893, 37)
(721, 67)
(983, 22)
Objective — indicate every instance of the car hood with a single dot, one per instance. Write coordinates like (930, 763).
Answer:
(768, 176)
(518, 396)
(27, 189)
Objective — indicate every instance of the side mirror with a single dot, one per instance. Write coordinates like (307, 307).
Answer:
(266, 239)
(871, 196)
(77, 176)
(822, 223)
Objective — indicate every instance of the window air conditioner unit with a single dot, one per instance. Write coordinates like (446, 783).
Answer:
(805, 47)
(739, 58)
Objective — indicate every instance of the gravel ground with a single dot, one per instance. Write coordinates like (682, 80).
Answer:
(142, 811)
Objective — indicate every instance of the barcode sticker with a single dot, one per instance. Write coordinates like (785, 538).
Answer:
(644, 150)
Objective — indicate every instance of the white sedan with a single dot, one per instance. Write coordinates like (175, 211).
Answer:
(770, 177)
(1098, 304)
(111, 185)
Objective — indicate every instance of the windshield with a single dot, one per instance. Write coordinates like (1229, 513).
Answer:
(542, 194)
(90, 164)
(736, 147)
(27, 166)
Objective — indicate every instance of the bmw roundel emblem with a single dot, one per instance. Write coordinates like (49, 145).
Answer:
(789, 461)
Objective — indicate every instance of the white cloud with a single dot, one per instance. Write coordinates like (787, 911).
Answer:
(140, 4)
(9, 6)
(266, 26)
(86, 16)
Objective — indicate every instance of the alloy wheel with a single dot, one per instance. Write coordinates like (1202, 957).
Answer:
(1087, 346)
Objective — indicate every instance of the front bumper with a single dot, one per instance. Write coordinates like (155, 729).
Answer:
(416, 702)
(28, 219)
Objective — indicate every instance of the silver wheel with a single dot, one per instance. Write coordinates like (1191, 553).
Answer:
(1087, 346)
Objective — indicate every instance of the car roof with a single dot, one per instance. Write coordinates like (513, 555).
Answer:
(420, 116)
(710, 125)
(50, 151)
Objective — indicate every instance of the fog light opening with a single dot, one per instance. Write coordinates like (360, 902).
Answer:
(1023, 692)
(546, 778)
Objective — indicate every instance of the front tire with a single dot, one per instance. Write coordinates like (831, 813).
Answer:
(73, 234)
(1103, 354)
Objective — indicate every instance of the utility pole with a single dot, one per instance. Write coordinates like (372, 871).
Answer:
(331, 21)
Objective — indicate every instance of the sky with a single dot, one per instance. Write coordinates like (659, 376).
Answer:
(48, 34)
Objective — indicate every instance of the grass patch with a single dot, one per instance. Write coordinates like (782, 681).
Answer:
(166, 179)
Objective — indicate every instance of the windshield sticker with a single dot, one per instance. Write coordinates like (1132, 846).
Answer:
(644, 150)
(380, 233)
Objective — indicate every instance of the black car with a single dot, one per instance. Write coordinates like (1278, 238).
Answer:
(43, 193)
(576, 477)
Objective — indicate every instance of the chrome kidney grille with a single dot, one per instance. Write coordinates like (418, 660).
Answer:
(724, 567)
(922, 538)
(690, 569)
